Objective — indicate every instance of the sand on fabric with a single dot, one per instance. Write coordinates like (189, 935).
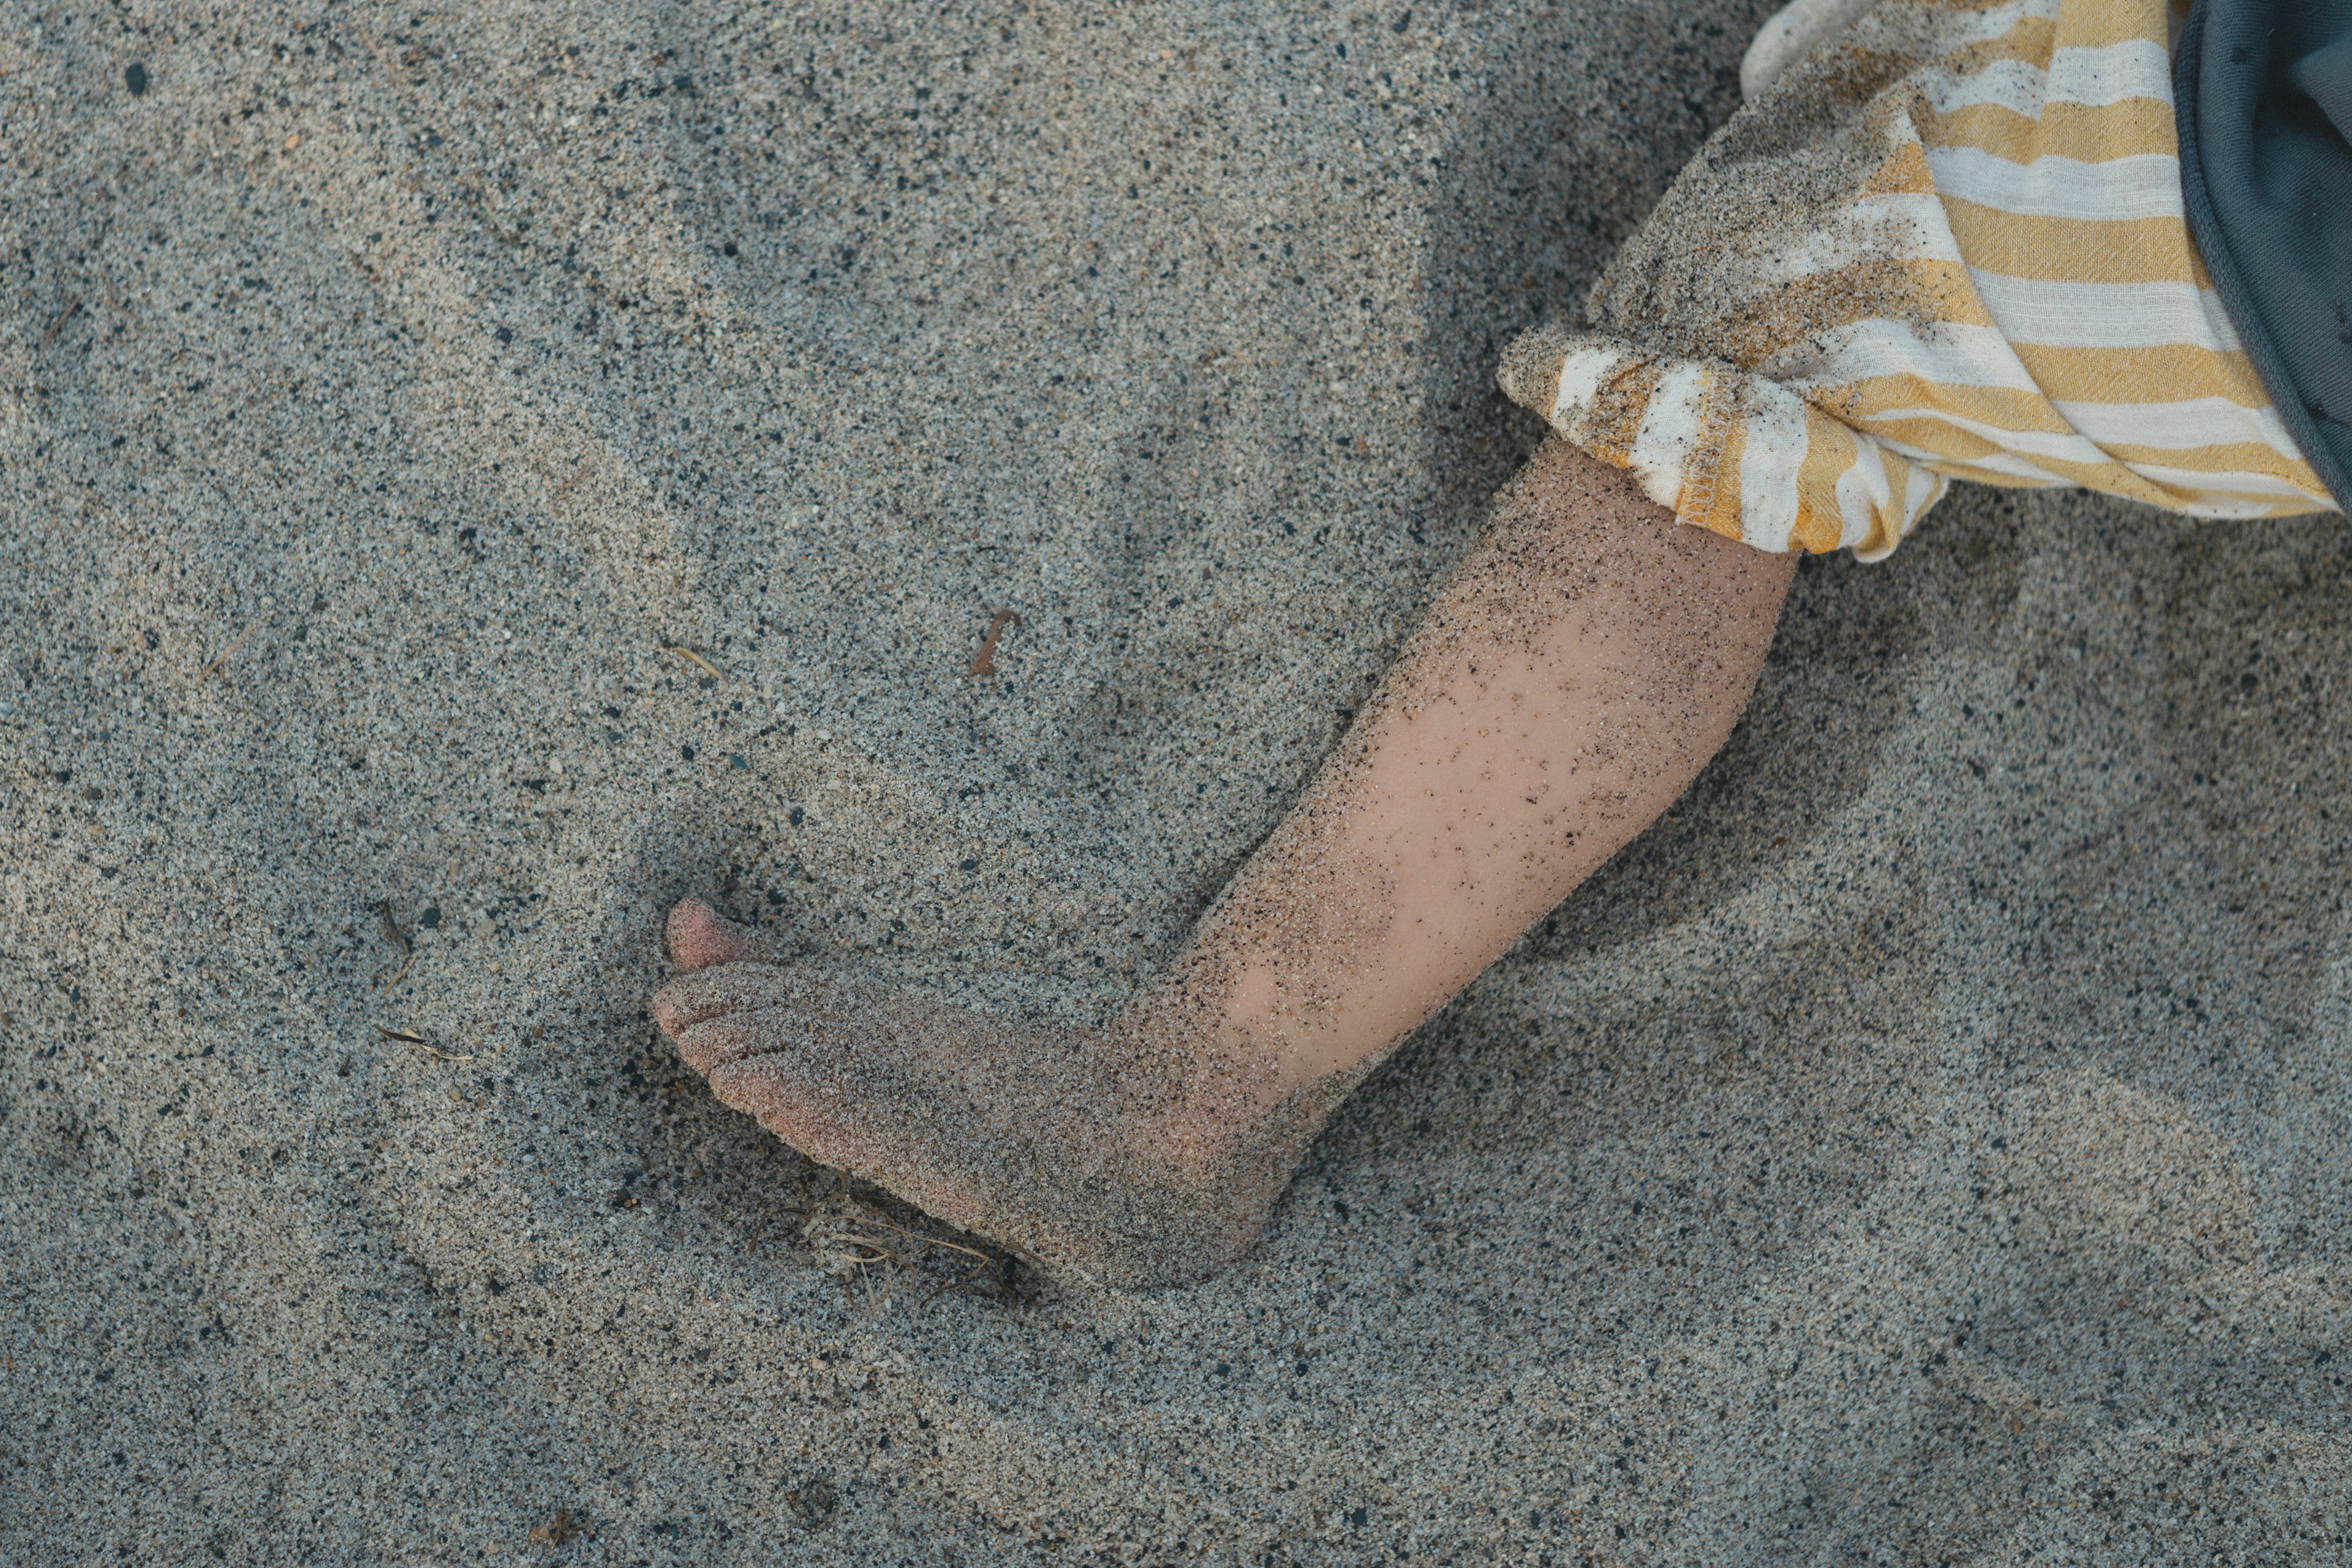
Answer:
(1929, 1144)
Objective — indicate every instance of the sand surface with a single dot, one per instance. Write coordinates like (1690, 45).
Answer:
(1929, 1145)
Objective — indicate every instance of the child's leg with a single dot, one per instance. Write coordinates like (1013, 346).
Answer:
(1569, 683)
(1566, 687)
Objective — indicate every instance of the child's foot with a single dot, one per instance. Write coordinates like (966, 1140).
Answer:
(1122, 1154)
(1568, 684)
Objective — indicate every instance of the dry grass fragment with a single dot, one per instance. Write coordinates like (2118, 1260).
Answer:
(242, 638)
(391, 68)
(58, 325)
(558, 1532)
(985, 661)
(411, 1037)
(691, 657)
(845, 1234)
(390, 924)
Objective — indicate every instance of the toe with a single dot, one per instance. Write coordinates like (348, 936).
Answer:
(694, 1000)
(808, 1097)
(699, 938)
(773, 1089)
(760, 1032)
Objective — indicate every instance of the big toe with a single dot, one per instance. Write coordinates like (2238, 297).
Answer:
(700, 938)
(693, 999)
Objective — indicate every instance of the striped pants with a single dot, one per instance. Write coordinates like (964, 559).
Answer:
(1950, 244)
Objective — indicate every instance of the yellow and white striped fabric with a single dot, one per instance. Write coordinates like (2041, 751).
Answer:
(1948, 245)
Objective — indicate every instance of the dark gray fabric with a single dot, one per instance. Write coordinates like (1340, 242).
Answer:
(2264, 94)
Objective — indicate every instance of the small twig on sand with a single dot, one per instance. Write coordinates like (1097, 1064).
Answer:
(410, 1037)
(390, 67)
(241, 639)
(399, 939)
(58, 325)
(846, 1247)
(985, 661)
(560, 1530)
(485, 207)
(978, 1269)
(918, 1237)
(693, 658)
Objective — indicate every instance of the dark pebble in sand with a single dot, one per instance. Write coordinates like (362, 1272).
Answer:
(134, 76)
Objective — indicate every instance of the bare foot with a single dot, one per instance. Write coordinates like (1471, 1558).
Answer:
(1583, 663)
(1118, 1154)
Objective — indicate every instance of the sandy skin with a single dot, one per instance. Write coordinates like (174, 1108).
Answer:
(1107, 1155)
(1577, 672)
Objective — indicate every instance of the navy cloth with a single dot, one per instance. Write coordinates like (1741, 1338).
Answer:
(2262, 92)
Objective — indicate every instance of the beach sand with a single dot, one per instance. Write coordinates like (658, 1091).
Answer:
(1929, 1144)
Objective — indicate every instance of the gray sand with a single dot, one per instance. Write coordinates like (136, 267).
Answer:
(1927, 1145)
